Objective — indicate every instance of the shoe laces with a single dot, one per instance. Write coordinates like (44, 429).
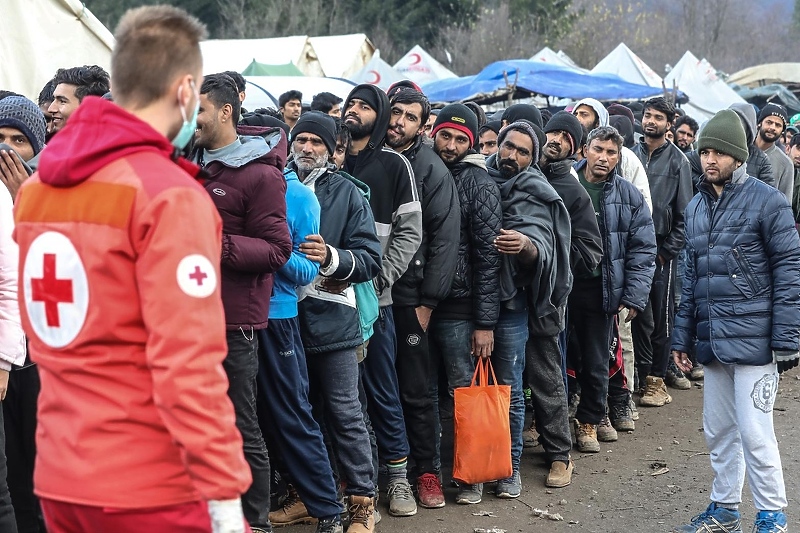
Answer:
(292, 500)
(586, 429)
(359, 514)
(400, 489)
(620, 411)
(767, 524)
(428, 482)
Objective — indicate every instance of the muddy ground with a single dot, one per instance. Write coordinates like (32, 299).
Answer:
(616, 490)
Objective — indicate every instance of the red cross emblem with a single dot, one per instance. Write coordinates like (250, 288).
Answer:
(198, 275)
(51, 290)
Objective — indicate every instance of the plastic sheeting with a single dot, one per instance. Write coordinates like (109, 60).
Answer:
(377, 72)
(769, 73)
(628, 66)
(342, 55)
(264, 91)
(534, 77)
(41, 36)
(220, 55)
(699, 81)
(420, 67)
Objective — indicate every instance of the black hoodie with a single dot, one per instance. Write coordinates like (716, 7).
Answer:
(393, 197)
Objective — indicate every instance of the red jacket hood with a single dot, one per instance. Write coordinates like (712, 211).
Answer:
(98, 133)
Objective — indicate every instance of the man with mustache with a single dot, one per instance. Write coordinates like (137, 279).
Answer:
(771, 124)
(426, 282)
(621, 281)
(669, 174)
(535, 281)
(398, 223)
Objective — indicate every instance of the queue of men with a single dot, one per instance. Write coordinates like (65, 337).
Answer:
(240, 298)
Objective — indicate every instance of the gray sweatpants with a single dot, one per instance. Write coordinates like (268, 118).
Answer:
(737, 420)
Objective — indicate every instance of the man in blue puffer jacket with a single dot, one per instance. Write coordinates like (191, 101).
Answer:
(740, 300)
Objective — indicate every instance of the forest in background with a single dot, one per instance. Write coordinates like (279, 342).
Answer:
(731, 34)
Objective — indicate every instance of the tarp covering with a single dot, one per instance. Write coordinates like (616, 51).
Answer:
(420, 67)
(29, 54)
(262, 69)
(342, 55)
(699, 81)
(377, 72)
(235, 54)
(774, 93)
(264, 91)
(785, 73)
(628, 66)
(539, 78)
(547, 55)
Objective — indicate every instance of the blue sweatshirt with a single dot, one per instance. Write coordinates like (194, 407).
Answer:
(302, 214)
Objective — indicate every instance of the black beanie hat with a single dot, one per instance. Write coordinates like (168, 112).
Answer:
(460, 117)
(319, 124)
(367, 93)
(625, 128)
(774, 110)
(564, 121)
(493, 125)
(527, 112)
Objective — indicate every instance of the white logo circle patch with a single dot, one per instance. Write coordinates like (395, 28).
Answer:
(56, 289)
(197, 276)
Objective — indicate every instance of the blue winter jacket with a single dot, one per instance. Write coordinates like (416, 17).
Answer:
(629, 245)
(741, 296)
(302, 215)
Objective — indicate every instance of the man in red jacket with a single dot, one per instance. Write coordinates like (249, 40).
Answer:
(119, 251)
(247, 186)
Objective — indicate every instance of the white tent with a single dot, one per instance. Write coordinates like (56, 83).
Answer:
(628, 66)
(547, 55)
(377, 72)
(342, 55)
(236, 54)
(264, 91)
(421, 68)
(698, 79)
(766, 74)
(41, 36)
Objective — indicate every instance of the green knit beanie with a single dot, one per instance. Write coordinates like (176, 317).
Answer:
(724, 133)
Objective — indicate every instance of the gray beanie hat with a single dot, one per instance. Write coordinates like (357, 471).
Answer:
(20, 113)
(528, 129)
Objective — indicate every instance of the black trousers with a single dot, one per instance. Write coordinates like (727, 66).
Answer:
(413, 366)
(652, 328)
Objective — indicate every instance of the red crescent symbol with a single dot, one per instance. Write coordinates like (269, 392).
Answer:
(377, 77)
(418, 60)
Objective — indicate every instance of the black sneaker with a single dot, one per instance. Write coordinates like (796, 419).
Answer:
(330, 525)
(620, 416)
(675, 377)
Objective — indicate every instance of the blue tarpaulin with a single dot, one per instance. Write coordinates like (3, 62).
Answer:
(539, 78)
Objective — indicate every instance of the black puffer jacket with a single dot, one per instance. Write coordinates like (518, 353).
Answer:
(475, 293)
(430, 274)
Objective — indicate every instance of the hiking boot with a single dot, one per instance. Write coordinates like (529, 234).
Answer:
(634, 410)
(362, 514)
(469, 494)
(655, 393)
(530, 437)
(605, 431)
(620, 416)
(696, 373)
(713, 520)
(293, 511)
(331, 525)
(401, 499)
(509, 487)
(770, 522)
(560, 474)
(586, 437)
(429, 491)
(675, 377)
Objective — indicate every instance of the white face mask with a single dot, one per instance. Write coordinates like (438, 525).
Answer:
(189, 126)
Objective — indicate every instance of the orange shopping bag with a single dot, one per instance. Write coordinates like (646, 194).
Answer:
(482, 441)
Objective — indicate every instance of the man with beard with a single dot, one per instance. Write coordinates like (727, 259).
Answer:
(426, 282)
(247, 186)
(398, 223)
(462, 326)
(535, 280)
(685, 129)
(621, 281)
(669, 174)
(740, 310)
(771, 123)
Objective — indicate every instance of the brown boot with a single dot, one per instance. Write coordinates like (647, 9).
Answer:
(362, 514)
(586, 437)
(560, 474)
(293, 512)
(655, 393)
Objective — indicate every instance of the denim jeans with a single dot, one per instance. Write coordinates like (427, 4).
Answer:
(508, 361)
(241, 366)
(333, 376)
